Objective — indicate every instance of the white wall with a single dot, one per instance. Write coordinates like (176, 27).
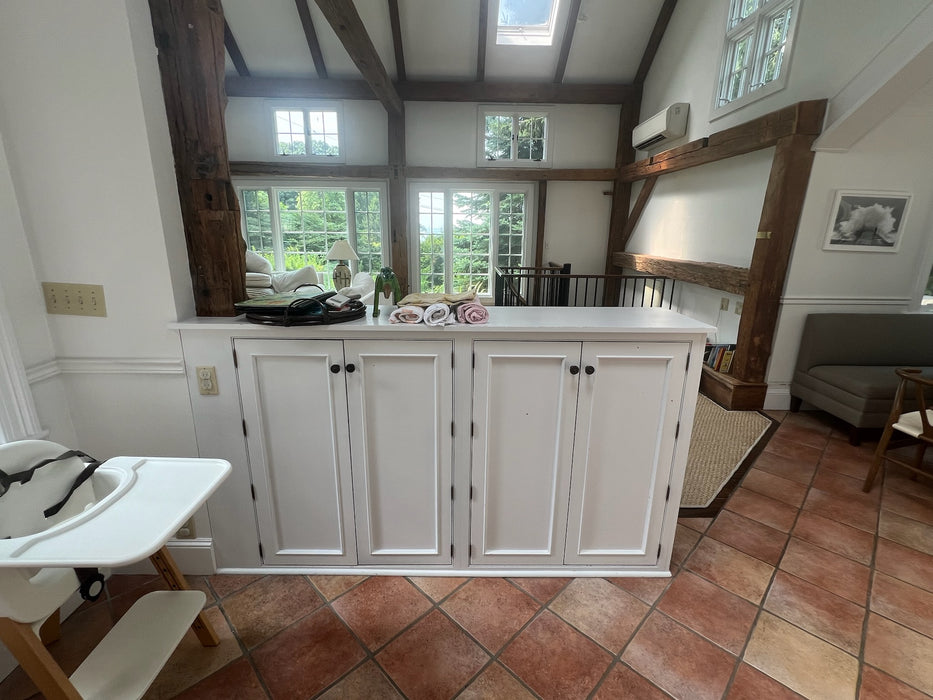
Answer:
(85, 140)
(690, 215)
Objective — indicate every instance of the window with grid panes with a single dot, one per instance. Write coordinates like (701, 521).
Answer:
(294, 225)
(756, 54)
(464, 231)
(513, 138)
(308, 132)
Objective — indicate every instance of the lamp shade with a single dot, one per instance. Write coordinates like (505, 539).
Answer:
(341, 250)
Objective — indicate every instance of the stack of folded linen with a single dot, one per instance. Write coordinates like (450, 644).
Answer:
(440, 309)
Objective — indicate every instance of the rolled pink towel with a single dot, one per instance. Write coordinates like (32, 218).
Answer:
(407, 314)
(472, 313)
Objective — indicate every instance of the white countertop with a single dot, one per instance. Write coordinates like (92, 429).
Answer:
(501, 318)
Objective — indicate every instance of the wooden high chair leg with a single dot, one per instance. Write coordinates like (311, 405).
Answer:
(51, 629)
(36, 660)
(879, 456)
(165, 565)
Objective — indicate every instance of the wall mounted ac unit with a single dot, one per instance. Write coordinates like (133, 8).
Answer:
(669, 123)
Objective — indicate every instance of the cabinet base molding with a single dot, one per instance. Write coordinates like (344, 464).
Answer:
(565, 572)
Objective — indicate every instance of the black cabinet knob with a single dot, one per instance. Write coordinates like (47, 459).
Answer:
(574, 369)
(335, 369)
(351, 367)
(589, 369)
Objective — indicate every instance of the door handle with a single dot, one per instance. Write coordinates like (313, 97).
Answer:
(335, 369)
(574, 369)
(351, 367)
(589, 369)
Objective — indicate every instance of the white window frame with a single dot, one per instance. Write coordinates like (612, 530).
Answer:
(755, 26)
(495, 188)
(349, 186)
(515, 112)
(306, 107)
(530, 34)
(18, 417)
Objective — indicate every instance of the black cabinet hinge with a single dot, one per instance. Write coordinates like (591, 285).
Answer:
(659, 551)
(471, 551)
(451, 550)
(244, 427)
(472, 428)
(261, 555)
(471, 492)
(234, 358)
(252, 491)
(451, 493)
(677, 430)
(451, 428)
(667, 496)
(688, 362)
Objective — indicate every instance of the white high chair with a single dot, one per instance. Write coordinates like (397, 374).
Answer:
(121, 513)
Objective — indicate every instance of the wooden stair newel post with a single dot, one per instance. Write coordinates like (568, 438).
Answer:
(189, 35)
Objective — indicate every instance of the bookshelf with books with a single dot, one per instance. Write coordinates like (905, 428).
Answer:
(718, 357)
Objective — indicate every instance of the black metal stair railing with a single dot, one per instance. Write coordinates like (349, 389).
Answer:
(555, 285)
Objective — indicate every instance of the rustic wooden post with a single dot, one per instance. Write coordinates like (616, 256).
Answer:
(398, 200)
(189, 35)
(621, 197)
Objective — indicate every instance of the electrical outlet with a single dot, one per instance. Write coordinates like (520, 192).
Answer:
(207, 380)
(186, 531)
(724, 304)
(738, 308)
(74, 299)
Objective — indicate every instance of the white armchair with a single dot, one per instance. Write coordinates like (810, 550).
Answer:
(261, 279)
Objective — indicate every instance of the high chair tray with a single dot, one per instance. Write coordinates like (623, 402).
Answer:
(147, 500)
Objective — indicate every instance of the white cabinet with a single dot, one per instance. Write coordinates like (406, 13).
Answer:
(349, 449)
(573, 450)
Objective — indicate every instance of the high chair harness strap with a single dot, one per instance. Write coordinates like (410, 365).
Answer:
(24, 477)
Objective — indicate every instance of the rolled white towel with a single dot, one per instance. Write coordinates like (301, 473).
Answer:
(407, 314)
(437, 315)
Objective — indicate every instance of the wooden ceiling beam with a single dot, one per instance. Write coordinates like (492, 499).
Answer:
(654, 41)
(481, 40)
(432, 90)
(396, 22)
(726, 278)
(234, 50)
(569, 29)
(346, 23)
(311, 37)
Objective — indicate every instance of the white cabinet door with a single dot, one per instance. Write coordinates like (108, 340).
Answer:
(524, 401)
(628, 409)
(401, 411)
(295, 408)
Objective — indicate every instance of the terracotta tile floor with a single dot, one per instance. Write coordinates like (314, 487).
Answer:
(802, 586)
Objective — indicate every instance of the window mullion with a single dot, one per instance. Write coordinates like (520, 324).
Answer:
(278, 247)
(514, 152)
(448, 240)
(350, 198)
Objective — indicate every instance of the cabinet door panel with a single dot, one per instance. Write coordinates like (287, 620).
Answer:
(623, 450)
(523, 410)
(401, 404)
(298, 444)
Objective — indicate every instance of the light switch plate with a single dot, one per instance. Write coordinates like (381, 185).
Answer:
(74, 299)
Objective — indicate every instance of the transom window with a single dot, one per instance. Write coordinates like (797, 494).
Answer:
(512, 138)
(308, 132)
(757, 49)
(462, 231)
(528, 22)
(294, 225)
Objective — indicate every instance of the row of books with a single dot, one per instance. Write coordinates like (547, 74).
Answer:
(719, 357)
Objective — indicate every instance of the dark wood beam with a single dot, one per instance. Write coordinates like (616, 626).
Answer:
(774, 242)
(329, 89)
(640, 202)
(726, 278)
(621, 195)
(510, 174)
(234, 50)
(346, 23)
(265, 169)
(189, 37)
(654, 41)
(395, 21)
(454, 91)
(432, 91)
(539, 224)
(398, 201)
(569, 29)
(481, 40)
(805, 118)
(311, 37)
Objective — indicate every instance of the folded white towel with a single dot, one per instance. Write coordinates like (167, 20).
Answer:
(407, 314)
(437, 315)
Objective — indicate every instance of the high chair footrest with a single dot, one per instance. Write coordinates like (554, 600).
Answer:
(129, 658)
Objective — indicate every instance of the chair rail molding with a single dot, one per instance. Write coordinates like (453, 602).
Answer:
(104, 365)
(845, 301)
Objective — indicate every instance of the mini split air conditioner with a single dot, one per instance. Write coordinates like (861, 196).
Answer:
(669, 123)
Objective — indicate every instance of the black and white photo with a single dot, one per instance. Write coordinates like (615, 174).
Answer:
(867, 221)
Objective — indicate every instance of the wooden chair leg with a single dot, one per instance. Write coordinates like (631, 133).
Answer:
(879, 457)
(855, 436)
(795, 403)
(36, 660)
(51, 629)
(165, 565)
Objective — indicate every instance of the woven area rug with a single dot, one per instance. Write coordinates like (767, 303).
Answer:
(724, 444)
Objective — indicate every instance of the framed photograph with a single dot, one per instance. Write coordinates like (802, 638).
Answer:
(867, 221)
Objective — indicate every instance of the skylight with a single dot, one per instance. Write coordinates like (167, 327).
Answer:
(529, 22)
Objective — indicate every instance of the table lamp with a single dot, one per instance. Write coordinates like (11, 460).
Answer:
(343, 254)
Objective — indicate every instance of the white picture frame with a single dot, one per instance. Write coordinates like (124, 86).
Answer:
(867, 222)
